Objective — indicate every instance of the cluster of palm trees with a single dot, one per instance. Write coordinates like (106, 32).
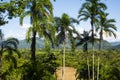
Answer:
(95, 11)
(58, 29)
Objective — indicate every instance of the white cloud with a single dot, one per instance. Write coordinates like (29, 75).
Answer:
(19, 35)
(112, 38)
(79, 29)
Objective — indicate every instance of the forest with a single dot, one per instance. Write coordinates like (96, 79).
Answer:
(53, 42)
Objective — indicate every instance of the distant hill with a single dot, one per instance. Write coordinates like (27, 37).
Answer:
(115, 43)
(40, 44)
(105, 45)
(25, 44)
(116, 47)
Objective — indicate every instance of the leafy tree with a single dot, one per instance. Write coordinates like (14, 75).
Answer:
(43, 69)
(82, 70)
(2, 18)
(109, 72)
(90, 10)
(8, 10)
(9, 46)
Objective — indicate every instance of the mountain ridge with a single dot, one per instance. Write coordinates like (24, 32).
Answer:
(40, 44)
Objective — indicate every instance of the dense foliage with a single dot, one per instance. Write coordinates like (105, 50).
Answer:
(47, 63)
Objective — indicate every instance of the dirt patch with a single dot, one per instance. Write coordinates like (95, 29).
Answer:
(69, 73)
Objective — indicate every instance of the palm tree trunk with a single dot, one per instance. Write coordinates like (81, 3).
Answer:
(100, 46)
(93, 62)
(0, 66)
(100, 41)
(88, 68)
(98, 64)
(63, 68)
(86, 48)
(98, 67)
(33, 46)
(92, 48)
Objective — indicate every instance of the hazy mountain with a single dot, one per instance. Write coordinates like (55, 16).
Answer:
(116, 47)
(40, 44)
(25, 44)
(105, 45)
(115, 43)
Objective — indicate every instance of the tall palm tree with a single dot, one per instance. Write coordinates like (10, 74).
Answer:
(84, 40)
(65, 29)
(90, 10)
(107, 26)
(40, 12)
(9, 46)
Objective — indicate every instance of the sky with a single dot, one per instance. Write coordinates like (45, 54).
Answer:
(71, 7)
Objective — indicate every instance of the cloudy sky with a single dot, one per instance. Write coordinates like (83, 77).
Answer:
(71, 7)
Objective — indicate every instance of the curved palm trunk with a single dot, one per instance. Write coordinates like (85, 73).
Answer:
(33, 46)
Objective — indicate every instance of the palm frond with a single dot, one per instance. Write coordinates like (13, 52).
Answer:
(102, 5)
(29, 34)
(72, 20)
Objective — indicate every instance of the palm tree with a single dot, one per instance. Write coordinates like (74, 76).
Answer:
(10, 46)
(39, 11)
(90, 10)
(107, 26)
(84, 40)
(65, 29)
